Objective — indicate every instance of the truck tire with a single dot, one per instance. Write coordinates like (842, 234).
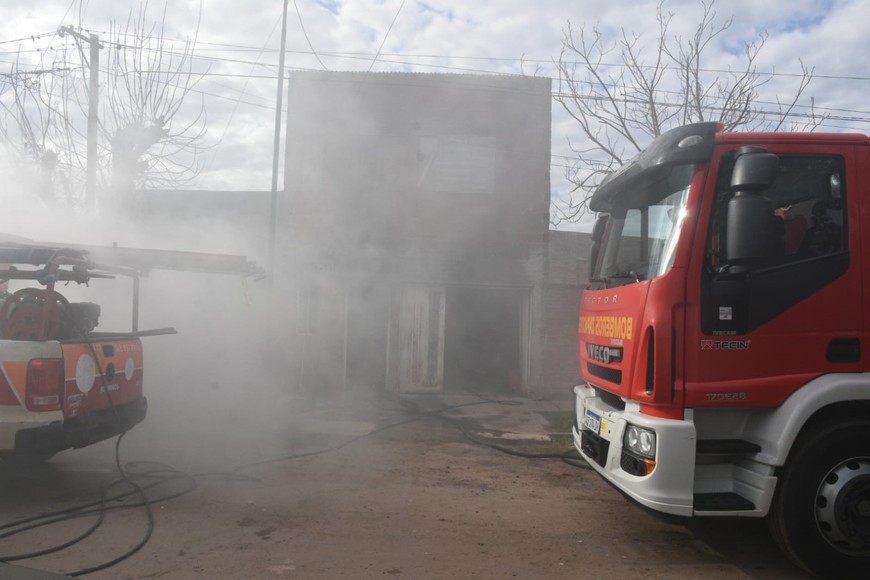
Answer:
(820, 515)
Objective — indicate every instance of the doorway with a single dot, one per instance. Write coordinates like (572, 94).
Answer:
(485, 337)
(367, 320)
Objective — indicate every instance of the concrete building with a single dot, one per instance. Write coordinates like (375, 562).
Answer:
(413, 236)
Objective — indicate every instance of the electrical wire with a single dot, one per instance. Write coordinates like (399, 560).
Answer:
(386, 35)
(305, 34)
(238, 101)
(855, 118)
(368, 56)
(26, 38)
(380, 56)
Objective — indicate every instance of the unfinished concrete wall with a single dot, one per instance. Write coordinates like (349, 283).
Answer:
(567, 275)
(423, 184)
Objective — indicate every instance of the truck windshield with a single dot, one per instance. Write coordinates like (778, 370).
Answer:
(640, 240)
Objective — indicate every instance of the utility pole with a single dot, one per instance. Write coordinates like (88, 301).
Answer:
(273, 216)
(93, 107)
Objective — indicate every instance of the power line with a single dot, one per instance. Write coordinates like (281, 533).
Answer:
(387, 34)
(381, 56)
(538, 61)
(760, 112)
(238, 101)
(25, 38)
(305, 34)
(854, 117)
(847, 118)
(369, 56)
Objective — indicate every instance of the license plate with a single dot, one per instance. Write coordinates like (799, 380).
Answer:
(597, 424)
(591, 421)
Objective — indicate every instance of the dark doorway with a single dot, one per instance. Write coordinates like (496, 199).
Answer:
(367, 313)
(483, 339)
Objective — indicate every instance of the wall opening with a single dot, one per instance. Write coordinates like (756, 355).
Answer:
(367, 320)
(484, 340)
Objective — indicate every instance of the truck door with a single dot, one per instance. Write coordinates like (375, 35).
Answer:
(757, 333)
(862, 161)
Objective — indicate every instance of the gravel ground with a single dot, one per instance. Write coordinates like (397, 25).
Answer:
(393, 495)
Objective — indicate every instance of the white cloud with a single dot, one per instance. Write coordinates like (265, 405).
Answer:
(439, 36)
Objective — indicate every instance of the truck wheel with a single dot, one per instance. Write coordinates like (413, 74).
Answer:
(820, 515)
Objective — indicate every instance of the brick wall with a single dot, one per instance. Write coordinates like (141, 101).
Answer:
(566, 276)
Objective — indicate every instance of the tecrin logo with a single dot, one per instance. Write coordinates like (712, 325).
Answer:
(726, 344)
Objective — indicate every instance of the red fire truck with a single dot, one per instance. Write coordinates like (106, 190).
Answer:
(721, 337)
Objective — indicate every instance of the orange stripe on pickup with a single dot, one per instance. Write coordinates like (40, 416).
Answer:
(8, 396)
(15, 375)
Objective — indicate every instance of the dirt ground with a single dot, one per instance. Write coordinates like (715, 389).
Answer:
(392, 495)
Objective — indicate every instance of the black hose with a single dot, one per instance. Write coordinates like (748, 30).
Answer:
(418, 415)
(166, 473)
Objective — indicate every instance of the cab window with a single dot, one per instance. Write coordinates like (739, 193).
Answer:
(808, 197)
(808, 246)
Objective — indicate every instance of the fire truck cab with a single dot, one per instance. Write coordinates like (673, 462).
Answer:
(721, 336)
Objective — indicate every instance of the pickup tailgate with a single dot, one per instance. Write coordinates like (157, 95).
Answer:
(101, 374)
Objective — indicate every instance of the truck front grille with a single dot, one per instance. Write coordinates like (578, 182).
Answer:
(611, 375)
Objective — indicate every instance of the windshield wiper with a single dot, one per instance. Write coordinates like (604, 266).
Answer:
(601, 280)
(628, 274)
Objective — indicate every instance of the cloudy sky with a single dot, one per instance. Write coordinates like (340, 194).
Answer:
(237, 53)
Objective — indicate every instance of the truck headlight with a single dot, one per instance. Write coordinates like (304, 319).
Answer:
(640, 441)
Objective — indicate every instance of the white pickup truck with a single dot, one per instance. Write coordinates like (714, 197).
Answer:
(63, 384)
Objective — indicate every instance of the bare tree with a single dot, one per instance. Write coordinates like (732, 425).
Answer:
(32, 127)
(148, 85)
(151, 126)
(624, 93)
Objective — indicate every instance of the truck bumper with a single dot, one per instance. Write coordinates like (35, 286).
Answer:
(669, 487)
(80, 431)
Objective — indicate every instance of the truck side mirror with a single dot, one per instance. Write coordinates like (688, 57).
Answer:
(597, 235)
(754, 172)
(752, 231)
